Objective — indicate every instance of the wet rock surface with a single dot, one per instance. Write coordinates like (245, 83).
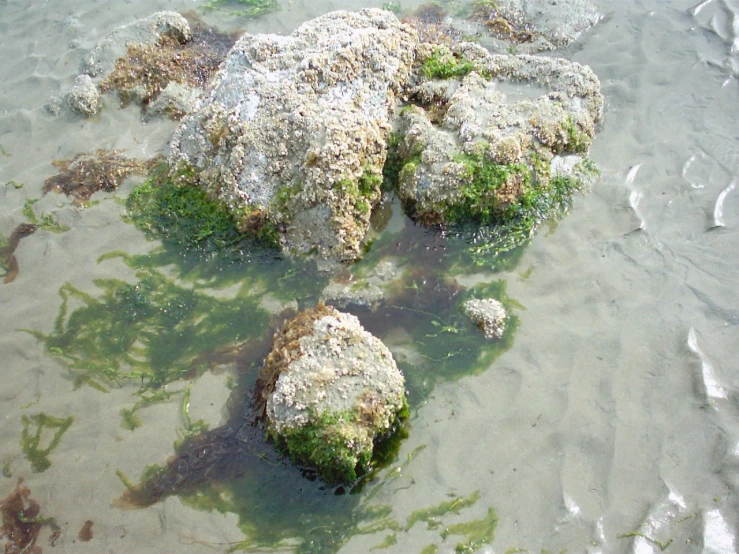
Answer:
(294, 129)
(329, 390)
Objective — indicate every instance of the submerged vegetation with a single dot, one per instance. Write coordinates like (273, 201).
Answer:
(22, 522)
(33, 433)
(246, 8)
(150, 331)
(102, 170)
(173, 208)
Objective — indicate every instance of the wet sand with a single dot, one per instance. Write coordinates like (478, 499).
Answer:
(611, 424)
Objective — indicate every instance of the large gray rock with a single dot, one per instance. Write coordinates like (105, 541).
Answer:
(330, 389)
(531, 116)
(293, 129)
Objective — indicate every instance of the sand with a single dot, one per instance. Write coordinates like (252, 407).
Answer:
(610, 425)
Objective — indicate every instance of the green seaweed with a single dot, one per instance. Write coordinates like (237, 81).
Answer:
(322, 444)
(429, 549)
(392, 6)
(387, 542)
(247, 8)
(477, 532)
(148, 331)
(430, 516)
(173, 208)
(33, 431)
(47, 221)
(442, 64)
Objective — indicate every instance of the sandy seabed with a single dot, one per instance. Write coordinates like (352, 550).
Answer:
(611, 424)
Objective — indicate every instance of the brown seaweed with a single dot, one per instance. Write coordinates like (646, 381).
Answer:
(22, 522)
(146, 70)
(7, 257)
(87, 173)
(85, 534)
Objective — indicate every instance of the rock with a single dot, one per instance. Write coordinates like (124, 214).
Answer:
(175, 101)
(476, 144)
(53, 106)
(83, 97)
(292, 131)
(530, 26)
(147, 31)
(363, 292)
(330, 389)
(488, 314)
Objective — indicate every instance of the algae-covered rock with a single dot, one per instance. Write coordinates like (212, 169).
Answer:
(147, 31)
(292, 131)
(491, 138)
(330, 390)
(488, 314)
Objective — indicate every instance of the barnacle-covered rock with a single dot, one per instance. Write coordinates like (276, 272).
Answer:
(488, 314)
(329, 390)
(292, 131)
(83, 97)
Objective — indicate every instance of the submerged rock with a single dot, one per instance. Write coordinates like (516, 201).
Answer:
(531, 26)
(83, 97)
(488, 314)
(490, 134)
(366, 291)
(148, 31)
(330, 390)
(292, 131)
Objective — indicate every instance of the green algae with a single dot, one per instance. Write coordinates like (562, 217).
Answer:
(149, 331)
(246, 8)
(442, 64)
(33, 434)
(173, 208)
(430, 516)
(47, 221)
(429, 549)
(393, 6)
(389, 540)
(477, 532)
(322, 444)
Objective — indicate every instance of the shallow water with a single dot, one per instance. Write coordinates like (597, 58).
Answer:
(611, 423)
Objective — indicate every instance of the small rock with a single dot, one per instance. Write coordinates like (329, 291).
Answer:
(83, 97)
(329, 389)
(488, 314)
(53, 105)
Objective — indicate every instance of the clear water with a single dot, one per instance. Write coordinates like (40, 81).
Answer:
(610, 425)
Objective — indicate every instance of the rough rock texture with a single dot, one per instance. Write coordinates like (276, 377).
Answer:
(488, 314)
(329, 389)
(293, 129)
(175, 101)
(522, 112)
(83, 97)
(535, 25)
(149, 30)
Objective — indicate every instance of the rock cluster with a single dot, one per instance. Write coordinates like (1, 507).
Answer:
(330, 389)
